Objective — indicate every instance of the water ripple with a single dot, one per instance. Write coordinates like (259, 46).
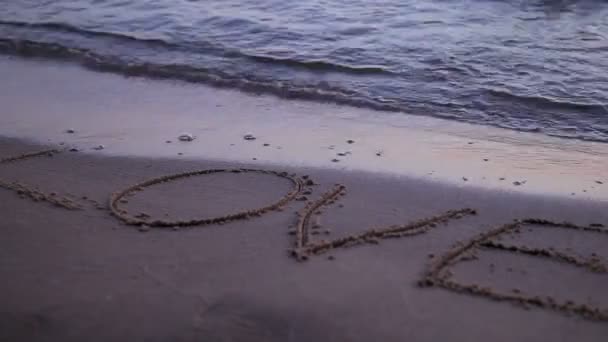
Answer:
(527, 65)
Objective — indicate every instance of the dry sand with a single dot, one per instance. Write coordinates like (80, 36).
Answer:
(83, 274)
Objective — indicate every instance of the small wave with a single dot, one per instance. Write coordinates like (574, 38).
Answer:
(91, 60)
(61, 27)
(548, 103)
(356, 30)
(151, 42)
(199, 46)
(320, 65)
(321, 91)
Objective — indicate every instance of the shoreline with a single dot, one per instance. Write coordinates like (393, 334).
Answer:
(287, 132)
(82, 273)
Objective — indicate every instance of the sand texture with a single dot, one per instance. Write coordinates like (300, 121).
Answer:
(107, 248)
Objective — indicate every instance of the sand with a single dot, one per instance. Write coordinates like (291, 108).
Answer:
(393, 258)
(133, 116)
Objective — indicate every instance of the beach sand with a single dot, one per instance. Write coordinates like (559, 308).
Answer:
(139, 117)
(334, 224)
(73, 274)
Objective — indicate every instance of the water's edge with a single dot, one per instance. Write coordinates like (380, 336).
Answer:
(129, 117)
(523, 65)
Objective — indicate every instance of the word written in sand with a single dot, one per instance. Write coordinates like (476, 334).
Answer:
(438, 273)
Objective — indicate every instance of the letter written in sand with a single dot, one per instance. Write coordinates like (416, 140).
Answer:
(305, 247)
(439, 274)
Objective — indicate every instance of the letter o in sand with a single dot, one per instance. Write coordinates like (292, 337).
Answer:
(296, 182)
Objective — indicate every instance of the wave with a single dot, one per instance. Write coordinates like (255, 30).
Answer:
(237, 69)
(61, 27)
(549, 103)
(249, 83)
(320, 65)
(201, 46)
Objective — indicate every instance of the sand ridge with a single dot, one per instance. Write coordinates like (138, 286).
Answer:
(34, 194)
(305, 248)
(115, 198)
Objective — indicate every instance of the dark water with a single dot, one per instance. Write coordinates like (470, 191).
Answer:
(534, 65)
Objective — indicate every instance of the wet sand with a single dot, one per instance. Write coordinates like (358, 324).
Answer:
(350, 256)
(133, 116)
